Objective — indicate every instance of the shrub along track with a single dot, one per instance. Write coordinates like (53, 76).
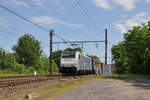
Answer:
(11, 85)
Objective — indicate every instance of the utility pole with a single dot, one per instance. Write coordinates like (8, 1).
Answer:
(106, 46)
(51, 50)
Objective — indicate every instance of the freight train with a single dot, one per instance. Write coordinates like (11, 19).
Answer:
(74, 62)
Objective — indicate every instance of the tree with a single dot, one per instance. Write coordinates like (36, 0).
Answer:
(95, 57)
(7, 60)
(132, 55)
(56, 57)
(43, 66)
(2, 57)
(75, 49)
(28, 50)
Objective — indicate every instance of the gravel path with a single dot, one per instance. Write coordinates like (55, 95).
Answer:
(111, 89)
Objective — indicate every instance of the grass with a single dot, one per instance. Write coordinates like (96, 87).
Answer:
(52, 92)
(7, 73)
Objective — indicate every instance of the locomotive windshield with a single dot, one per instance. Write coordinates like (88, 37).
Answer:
(68, 56)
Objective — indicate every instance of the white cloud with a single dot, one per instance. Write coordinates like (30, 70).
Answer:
(20, 2)
(38, 2)
(120, 27)
(127, 4)
(132, 21)
(137, 19)
(147, 0)
(124, 16)
(140, 14)
(102, 4)
(46, 20)
(53, 21)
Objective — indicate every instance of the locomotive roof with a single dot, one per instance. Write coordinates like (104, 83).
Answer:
(70, 52)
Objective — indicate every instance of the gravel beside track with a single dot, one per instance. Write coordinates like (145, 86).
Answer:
(111, 89)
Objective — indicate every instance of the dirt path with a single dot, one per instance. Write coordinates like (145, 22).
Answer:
(111, 89)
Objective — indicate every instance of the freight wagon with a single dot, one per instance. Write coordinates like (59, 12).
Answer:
(96, 66)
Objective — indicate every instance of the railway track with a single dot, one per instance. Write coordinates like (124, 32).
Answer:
(22, 80)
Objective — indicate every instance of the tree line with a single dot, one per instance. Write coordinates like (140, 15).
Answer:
(132, 55)
(27, 57)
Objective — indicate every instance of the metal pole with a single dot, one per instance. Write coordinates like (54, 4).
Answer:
(51, 50)
(106, 46)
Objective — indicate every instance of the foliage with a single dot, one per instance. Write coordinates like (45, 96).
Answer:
(27, 58)
(95, 57)
(2, 56)
(56, 57)
(7, 61)
(43, 66)
(75, 49)
(28, 50)
(133, 54)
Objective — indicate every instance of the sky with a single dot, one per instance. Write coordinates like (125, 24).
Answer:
(72, 20)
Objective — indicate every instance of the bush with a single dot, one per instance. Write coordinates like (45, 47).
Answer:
(8, 61)
(55, 67)
(30, 69)
(2, 56)
(20, 68)
(43, 66)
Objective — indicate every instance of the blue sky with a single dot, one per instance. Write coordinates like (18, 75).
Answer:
(70, 22)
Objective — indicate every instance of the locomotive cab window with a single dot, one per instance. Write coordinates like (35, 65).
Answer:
(68, 56)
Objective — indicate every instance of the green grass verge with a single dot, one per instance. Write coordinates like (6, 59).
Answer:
(7, 73)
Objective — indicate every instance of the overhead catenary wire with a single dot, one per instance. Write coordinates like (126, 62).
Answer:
(11, 34)
(60, 38)
(62, 17)
(41, 12)
(77, 11)
(22, 17)
(88, 16)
